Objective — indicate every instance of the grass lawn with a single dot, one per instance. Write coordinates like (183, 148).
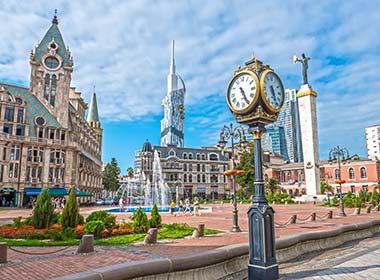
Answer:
(166, 232)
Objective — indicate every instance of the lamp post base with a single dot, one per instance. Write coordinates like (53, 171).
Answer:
(263, 273)
(235, 224)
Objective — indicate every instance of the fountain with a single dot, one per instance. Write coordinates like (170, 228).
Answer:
(139, 191)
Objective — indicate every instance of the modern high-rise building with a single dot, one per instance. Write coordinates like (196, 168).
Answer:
(372, 136)
(284, 136)
(173, 103)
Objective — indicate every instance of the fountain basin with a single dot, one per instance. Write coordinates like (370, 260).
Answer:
(148, 209)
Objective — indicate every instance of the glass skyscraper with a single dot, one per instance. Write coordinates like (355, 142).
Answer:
(284, 136)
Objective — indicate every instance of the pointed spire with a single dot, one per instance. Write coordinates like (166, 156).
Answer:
(172, 61)
(93, 115)
(55, 19)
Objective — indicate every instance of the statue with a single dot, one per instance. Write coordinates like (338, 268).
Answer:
(304, 61)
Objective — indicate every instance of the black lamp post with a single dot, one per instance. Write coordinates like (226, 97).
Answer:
(338, 154)
(237, 133)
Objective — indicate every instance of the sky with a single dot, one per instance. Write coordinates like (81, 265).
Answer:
(123, 48)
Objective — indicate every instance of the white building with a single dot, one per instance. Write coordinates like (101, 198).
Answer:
(372, 136)
(173, 102)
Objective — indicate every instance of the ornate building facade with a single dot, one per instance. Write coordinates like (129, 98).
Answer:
(196, 172)
(45, 138)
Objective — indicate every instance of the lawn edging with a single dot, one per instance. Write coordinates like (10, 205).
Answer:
(228, 260)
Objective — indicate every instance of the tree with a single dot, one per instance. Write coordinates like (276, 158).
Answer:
(130, 172)
(70, 214)
(155, 218)
(272, 185)
(246, 180)
(43, 211)
(325, 187)
(111, 176)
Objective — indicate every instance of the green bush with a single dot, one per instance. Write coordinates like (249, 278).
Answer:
(69, 233)
(140, 222)
(80, 219)
(358, 202)
(57, 218)
(54, 235)
(43, 210)
(270, 197)
(108, 219)
(155, 218)
(17, 222)
(71, 211)
(94, 227)
(375, 198)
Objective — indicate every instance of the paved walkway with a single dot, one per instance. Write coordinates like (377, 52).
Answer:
(356, 260)
(63, 263)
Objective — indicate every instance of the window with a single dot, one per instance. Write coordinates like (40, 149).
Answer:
(337, 175)
(14, 152)
(4, 153)
(203, 168)
(198, 167)
(51, 62)
(204, 178)
(198, 156)
(353, 189)
(50, 88)
(184, 167)
(13, 170)
(214, 179)
(20, 130)
(184, 156)
(203, 156)
(190, 178)
(9, 114)
(363, 172)
(8, 128)
(20, 115)
(198, 178)
(190, 156)
(213, 157)
(185, 178)
(351, 173)
(35, 154)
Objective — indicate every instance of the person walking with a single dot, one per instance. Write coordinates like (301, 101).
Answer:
(172, 207)
(187, 206)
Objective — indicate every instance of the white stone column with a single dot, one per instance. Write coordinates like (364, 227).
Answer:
(309, 133)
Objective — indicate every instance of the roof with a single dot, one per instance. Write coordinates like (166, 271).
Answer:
(34, 108)
(147, 147)
(164, 150)
(53, 34)
(93, 111)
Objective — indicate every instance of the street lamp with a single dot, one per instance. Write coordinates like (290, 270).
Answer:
(338, 154)
(233, 133)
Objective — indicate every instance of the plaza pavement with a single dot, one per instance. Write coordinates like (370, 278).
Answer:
(65, 262)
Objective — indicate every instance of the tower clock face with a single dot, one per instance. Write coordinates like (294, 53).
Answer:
(242, 92)
(273, 90)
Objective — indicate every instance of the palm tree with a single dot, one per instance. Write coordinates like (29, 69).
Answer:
(130, 172)
(325, 187)
(272, 185)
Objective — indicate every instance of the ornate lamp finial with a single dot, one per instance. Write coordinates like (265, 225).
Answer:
(55, 19)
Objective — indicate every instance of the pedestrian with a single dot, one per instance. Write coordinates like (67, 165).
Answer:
(187, 206)
(196, 207)
(172, 207)
(180, 210)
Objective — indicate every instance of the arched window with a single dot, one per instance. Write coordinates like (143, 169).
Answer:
(337, 174)
(198, 156)
(47, 87)
(363, 172)
(184, 156)
(184, 167)
(190, 178)
(351, 173)
(53, 90)
(204, 178)
(185, 178)
(190, 156)
(213, 157)
(50, 88)
(199, 178)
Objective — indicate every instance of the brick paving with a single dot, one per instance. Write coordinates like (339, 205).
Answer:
(45, 267)
(355, 260)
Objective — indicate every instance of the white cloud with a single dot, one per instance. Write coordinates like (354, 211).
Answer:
(123, 48)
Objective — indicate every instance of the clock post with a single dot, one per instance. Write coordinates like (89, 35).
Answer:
(263, 109)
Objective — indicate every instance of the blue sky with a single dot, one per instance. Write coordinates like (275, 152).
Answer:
(122, 47)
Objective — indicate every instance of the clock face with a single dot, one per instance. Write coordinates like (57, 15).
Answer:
(242, 92)
(273, 91)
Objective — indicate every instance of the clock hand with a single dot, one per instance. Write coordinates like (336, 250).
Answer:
(244, 96)
(272, 91)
